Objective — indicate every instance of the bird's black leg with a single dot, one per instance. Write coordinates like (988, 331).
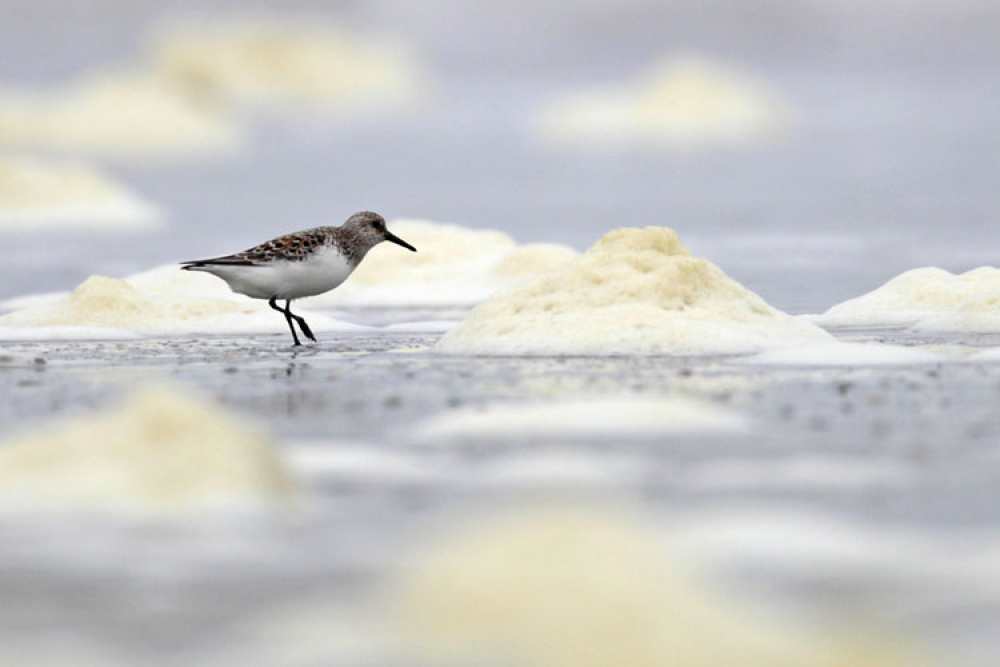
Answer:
(301, 320)
(288, 318)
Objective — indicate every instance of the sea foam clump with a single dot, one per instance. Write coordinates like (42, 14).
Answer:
(838, 353)
(636, 291)
(129, 114)
(453, 266)
(274, 62)
(165, 300)
(606, 417)
(927, 298)
(162, 451)
(578, 589)
(37, 195)
(682, 102)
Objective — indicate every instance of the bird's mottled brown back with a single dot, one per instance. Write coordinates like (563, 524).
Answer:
(290, 247)
(359, 234)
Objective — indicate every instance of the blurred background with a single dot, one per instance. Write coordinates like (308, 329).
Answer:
(884, 158)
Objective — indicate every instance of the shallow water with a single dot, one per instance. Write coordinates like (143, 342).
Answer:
(843, 495)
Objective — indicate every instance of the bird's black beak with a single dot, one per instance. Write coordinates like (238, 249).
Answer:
(389, 236)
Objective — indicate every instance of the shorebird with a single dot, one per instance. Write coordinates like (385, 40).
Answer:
(302, 264)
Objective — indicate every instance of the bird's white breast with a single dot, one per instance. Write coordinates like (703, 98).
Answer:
(320, 272)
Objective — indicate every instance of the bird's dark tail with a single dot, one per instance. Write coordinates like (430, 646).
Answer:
(202, 264)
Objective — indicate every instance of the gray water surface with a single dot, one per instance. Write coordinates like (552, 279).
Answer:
(905, 453)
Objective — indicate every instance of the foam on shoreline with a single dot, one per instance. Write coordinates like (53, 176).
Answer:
(162, 451)
(37, 195)
(928, 299)
(636, 291)
(453, 266)
(684, 102)
(164, 300)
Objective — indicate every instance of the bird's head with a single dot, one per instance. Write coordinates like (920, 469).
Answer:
(369, 228)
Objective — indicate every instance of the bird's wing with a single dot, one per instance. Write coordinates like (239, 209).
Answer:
(290, 248)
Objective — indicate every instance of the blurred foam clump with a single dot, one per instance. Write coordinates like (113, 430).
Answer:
(281, 63)
(179, 98)
(163, 450)
(619, 417)
(573, 588)
(37, 194)
(116, 113)
(684, 102)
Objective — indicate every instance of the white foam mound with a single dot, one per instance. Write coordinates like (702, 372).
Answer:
(602, 418)
(681, 102)
(273, 61)
(844, 354)
(37, 195)
(927, 298)
(118, 114)
(636, 291)
(164, 300)
(162, 451)
(357, 463)
(578, 589)
(453, 266)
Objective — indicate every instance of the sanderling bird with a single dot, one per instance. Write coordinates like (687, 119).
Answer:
(302, 264)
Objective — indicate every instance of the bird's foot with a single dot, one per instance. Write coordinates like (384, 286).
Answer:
(305, 329)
